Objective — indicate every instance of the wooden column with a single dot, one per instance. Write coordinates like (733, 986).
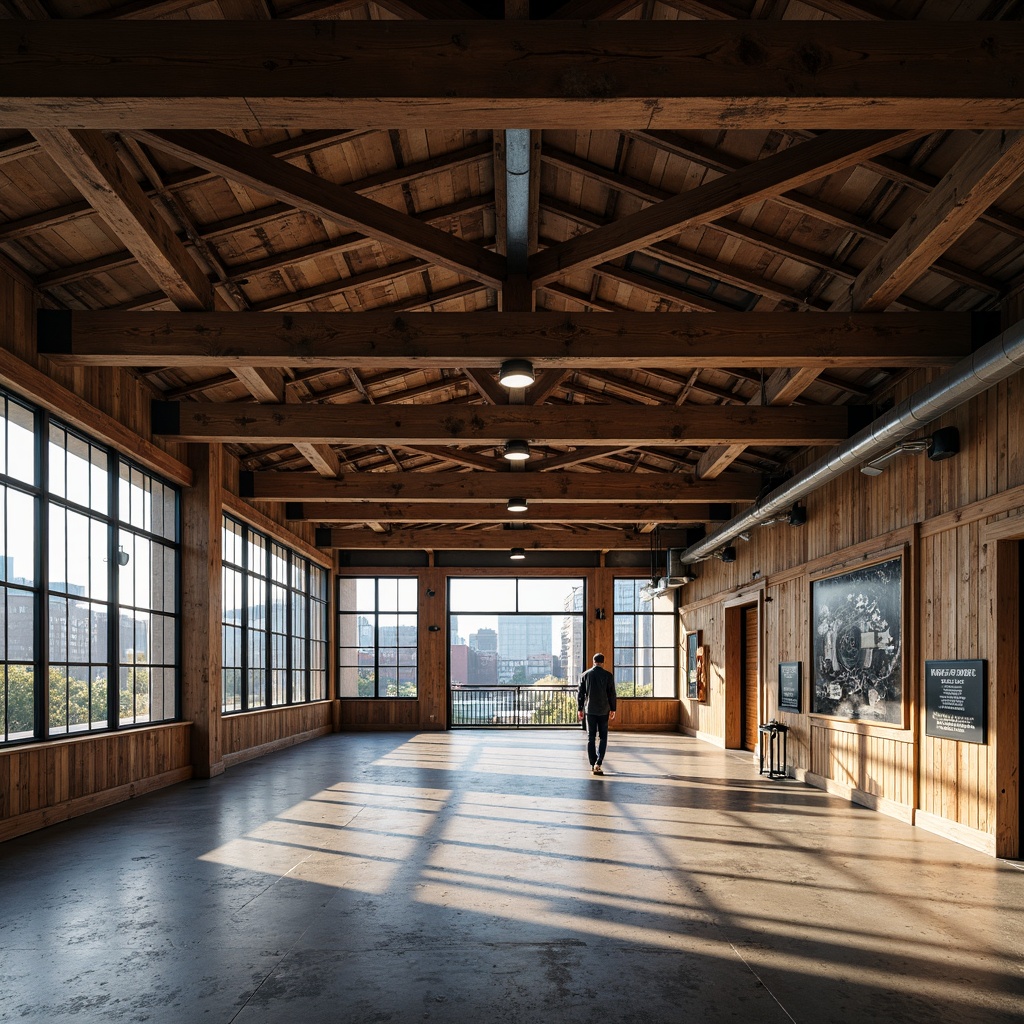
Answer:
(201, 608)
(433, 649)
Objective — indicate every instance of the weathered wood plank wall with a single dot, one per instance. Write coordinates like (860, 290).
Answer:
(942, 516)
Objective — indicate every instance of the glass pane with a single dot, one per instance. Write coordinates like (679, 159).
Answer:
(349, 682)
(664, 631)
(256, 694)
(665, 682)
(257, 553)
(78, 696)
(98, 697)
(21, 447)
(99, 542)
(77, 468)
(58, 710)
(58, 629)
(77, 553)
(666, 603)
(21, 625)
(143, 566)
(550, 595)
(156, 496)
(482, 595)
(20, 701)
(98, 480)
(279, 563)
(170, 530)
(57, 461)
(57, 552)
(21, 538)
(387, 595)
(231, 542)
(354, 631)
(98, 623)
(170, 580)
(407, 595)
(624, 596)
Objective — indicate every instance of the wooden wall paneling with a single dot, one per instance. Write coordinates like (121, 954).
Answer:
(46, 783)
(253, 734)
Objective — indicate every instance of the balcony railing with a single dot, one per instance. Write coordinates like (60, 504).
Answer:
(514, 707)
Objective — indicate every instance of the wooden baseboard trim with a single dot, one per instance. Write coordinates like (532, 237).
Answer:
(44, 816)
(704, 737)
(238, 756)
(902, 812)
(983, 842)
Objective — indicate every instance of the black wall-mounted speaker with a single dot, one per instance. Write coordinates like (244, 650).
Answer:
(944, 444)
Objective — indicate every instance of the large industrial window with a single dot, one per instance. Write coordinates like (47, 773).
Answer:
(377, 637)
(274, 622)
(92, 539)
(644, 661)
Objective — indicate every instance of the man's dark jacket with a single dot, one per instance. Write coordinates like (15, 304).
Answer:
(596, 695)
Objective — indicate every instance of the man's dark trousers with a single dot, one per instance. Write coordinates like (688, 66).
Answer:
(597, 725)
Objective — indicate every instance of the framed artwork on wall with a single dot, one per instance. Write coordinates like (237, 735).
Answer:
(857, 644)
(692, 676)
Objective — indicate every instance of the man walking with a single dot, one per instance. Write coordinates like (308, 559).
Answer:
(596, 700)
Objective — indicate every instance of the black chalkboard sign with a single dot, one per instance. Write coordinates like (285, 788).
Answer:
(789, 685)
(955, 700)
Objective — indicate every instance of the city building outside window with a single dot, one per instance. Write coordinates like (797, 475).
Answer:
(274, 622)
(645, 638)
(93, 539)
(377, 637)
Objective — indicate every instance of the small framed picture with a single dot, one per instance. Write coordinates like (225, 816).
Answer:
(692, 675)
(790, 685)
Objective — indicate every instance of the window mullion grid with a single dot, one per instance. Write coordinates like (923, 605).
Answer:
(246, 618)
(114, 605)
(42, 595)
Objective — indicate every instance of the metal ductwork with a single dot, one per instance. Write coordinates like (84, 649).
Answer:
(993, 362)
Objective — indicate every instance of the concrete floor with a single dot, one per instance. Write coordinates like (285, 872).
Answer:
(478, 876)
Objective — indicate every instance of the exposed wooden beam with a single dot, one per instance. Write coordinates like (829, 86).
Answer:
(92, 164)
(322, 457)
(454, 486)
(782, 388)
(548, 74)
(495, 512)
(682, 341)
(576, 457)
(531, 539)
(479, 425)
(988, 168)
(791, 168)
(282, 181)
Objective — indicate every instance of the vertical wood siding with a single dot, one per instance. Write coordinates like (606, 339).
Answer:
(938, 514)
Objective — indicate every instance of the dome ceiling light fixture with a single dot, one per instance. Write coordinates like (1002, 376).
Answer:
(517, 554)
(517, 505)
(516, 373)
(516, 450)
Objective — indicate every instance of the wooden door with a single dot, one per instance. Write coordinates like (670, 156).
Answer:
(750, 662)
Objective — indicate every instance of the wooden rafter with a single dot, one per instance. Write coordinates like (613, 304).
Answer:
(457, 74)
(988, 168)
(809, 161)
(239, 162)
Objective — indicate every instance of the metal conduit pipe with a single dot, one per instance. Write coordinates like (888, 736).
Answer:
(993, 362)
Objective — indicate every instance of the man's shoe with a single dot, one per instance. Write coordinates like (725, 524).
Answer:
(598, 770)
